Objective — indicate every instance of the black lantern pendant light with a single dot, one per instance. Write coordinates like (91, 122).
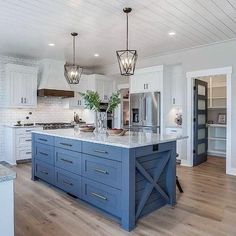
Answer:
(73, 72)
(127, 58)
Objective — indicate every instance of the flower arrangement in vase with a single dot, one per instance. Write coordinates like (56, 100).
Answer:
(92, 102)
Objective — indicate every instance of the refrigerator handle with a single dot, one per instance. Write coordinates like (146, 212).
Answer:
(144, 108)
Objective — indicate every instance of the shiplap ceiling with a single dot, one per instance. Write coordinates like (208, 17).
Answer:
(27, 26)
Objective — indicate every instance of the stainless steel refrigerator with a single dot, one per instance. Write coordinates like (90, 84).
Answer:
(145, 112)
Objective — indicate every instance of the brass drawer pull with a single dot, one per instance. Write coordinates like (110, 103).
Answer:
(43, 139)
(100, 151)
(43, 153)
(99, 196)
(101, 171)
(66, 144)
(65, 182)
(44, 172)
(71, 162)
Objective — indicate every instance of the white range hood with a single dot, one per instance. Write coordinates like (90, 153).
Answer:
(51, 80)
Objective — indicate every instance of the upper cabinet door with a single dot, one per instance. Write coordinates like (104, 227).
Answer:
(21, 86)
(147, 80)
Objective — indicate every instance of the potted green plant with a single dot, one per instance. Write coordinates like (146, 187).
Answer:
(92, 102)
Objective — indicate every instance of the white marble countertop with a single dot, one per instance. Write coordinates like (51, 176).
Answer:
(129, 140)
(6, 174)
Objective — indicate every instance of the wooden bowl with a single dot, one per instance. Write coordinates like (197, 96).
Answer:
(87, 129)
(114, 131)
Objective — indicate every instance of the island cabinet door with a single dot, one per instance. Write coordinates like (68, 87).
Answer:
(69, 182)
(45, 172)
(68, 160)
(102, 170)
(44, 139)
(101, 150)
(70, 144)
(102, 196)
(44, 153)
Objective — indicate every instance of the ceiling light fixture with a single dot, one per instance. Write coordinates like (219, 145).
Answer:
(51, 44)
(172, 33)
(96, 55)
(73, 71)
(127, 58)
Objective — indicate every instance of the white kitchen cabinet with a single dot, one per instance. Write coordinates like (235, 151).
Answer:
(174, 82)
(82, 87)
(76, 102)
(100, 83)
(104, 87)
(21, 86)
(147, 80)
(18, 143)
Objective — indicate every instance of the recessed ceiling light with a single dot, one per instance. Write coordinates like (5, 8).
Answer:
(96, 55)
(51, 44)
(172, 33)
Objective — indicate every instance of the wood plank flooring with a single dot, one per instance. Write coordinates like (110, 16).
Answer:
(207, 207)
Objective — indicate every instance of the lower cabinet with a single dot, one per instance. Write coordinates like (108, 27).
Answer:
(102, 196)
(94, 179)
(45, 172)
(69, 182)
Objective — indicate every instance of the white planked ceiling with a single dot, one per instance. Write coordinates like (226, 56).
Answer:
(27, 26)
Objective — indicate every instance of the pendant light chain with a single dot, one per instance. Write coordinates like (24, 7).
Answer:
(127, 31)
(73, 50)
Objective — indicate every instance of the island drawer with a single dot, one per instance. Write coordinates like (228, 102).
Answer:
(44, 172)
(102, 196)
(102, 170)
(45, 139)
(101, 150)
(44, 153)
(68, 160)
(151, 149)
(69, 182)
(70, 144)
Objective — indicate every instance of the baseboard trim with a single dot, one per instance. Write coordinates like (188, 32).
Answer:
(186, 163)
(231, 171)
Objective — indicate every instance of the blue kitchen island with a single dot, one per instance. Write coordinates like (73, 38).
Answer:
(125, 177)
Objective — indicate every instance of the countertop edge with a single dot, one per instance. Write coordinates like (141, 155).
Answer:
(111, 143)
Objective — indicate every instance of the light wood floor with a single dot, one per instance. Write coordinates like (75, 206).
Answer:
(207, 207)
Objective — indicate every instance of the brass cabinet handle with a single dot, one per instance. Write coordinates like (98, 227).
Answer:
(100, 151)
(43, 153)
(28, 140)
(101, 171)
(28, 152)
(99, 196)
(68, 183)
(44, 172)
(71, 162)
(66, 144)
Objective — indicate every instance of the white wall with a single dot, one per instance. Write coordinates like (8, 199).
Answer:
(212, 56)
